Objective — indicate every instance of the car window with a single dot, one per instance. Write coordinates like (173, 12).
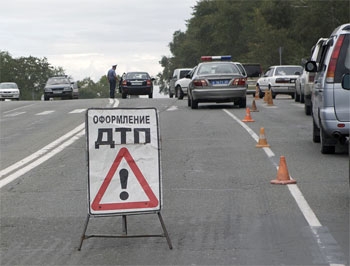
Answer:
(218, 68)
(286, 71)
(183, 73)
(8, 86)
(55, 81)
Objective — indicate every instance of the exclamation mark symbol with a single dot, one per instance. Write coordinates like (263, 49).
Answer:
(124, 183)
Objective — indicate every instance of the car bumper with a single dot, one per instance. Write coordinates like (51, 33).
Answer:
(137, 90)
(288, 89)
(52, 94)
(9, 96)
(217, 94)
(331, 125)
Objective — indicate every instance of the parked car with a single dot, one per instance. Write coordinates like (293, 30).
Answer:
(304, 83)
(330, 101)
(280, 79)
(61, 86)
(254, 72)
(137, 83)
(178, 74)
(217, 81)
(9, 90)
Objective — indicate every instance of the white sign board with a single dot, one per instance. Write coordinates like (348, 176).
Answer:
(124, 160)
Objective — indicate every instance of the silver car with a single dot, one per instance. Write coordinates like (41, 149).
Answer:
(9, 90)
(217, 81)
(330, 102)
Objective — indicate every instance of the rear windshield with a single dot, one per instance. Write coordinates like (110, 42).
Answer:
(218, 68)
(252, 70)
(137, 75)
(56, 81)
(286, 71)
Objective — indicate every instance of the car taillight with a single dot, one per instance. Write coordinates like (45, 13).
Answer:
(149, 83)
(333, 60)
(239, 82)
(200, 82)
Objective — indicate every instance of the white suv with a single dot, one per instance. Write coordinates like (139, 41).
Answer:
(176, 88)
(330, 102)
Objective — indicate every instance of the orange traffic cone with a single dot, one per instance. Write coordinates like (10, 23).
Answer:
(247, 117)
(283, 177)
(257, 92)
(254, 109)
(269, 100)
(266, 95)
(262, 140)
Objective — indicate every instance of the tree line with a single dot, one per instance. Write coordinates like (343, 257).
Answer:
(31, 73)
(268, 32)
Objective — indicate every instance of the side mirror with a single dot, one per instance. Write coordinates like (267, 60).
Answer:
(345, 81)
(311, 66)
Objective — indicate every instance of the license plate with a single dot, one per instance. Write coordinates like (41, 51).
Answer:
(136, 83)
(56, 92)
(219, 82)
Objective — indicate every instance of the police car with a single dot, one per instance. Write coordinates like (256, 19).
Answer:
(217, 79)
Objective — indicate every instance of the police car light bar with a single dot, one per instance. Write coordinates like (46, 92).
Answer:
(212, 58)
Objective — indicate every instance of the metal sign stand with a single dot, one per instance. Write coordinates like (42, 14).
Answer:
(125, 231)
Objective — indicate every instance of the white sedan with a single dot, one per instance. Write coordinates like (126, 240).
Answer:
(9, 90)
(280, 79)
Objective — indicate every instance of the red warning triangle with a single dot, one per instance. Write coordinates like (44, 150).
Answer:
(153, 201)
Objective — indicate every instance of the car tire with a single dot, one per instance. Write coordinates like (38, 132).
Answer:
(302, 98)
(124, 95)
(150, 95)
(46, 98)
(188, 101)
(241, 102)
(315, 133)
(171, 95)
(297, 97)
(307, 109)
(180, 93)
(325, 149)
(194, 104)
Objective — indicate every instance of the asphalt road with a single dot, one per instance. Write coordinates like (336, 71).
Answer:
(218, 204)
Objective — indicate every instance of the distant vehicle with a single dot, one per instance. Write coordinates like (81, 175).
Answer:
(9, 90)
(305, 82)
(330, 95)
(174, 90)
(181, 87)
(217, 81)
(280, 79)
(137, 83)
(61, 86)
(254, 72)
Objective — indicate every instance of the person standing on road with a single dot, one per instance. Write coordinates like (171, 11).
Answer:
(112, 79)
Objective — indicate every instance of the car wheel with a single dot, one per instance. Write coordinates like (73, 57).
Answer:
(150, 95)
(292, 95)
(315, 133)
(180, 93)
(325, 149)
(46, 98)
(297, 96)
(124, 95)
(188, 101)
(302, 99)
(307, 109)
(171, 95)
(194, 104)
(241, 102)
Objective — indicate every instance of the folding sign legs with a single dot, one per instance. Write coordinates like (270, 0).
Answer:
(125, 231)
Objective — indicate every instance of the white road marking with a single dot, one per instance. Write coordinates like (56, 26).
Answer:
(172, 108)
(42, 151)
(303, 205)
(77, 111)
(46, 112)
(14, 114)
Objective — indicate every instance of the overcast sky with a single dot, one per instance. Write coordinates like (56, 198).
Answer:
(86, 37)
